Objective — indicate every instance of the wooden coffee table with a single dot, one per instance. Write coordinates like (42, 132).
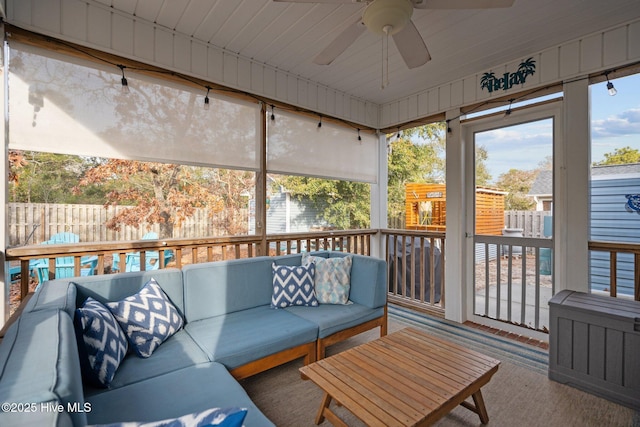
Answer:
(407, 378)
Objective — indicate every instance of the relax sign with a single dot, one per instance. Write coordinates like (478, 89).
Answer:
(491, 82)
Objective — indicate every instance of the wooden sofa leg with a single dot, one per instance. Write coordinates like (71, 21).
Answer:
(320, 350)
(384, 325)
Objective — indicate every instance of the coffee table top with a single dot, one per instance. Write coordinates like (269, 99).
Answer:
(406, 378)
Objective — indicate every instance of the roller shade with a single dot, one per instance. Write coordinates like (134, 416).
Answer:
(62, 104)
(296, 145)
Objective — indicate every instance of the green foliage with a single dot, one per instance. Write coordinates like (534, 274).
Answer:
(408, 161)
(343, 204)
(48, 178)
(517, 183)
(483, 177)
(621, 156)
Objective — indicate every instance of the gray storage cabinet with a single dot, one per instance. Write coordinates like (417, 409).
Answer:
(594, 345)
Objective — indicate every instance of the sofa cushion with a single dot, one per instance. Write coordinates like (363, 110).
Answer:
(368, 280)
(332, 318)
(148, 318)
(114, 287)
(177, 352)
(333, 278)
(174, 394)
(241, 337)
(39, 363)
(220, 417)
(101, 343)
(293, 285)
(221, 287)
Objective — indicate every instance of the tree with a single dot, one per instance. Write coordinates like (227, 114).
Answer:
(620, 156)
(343, 204)
(47, 177)
(160, 193)
(483, 177)
(517, 183)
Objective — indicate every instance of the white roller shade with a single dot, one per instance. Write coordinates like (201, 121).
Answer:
(67, 105)
(296, 145)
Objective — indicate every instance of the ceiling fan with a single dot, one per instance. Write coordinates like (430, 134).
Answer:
(393, 18)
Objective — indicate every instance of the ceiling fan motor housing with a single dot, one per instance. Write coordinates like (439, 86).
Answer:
(382, 16)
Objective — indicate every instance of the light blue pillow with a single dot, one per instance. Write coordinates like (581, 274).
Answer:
(148, 318)
(293, 285)
(333, 278)
(220, 417)
(101, 343)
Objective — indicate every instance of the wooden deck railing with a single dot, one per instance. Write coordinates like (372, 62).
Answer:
(614, 249)
(413, 267)
(186, 251)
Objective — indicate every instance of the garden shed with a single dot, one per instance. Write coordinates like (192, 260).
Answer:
(426, 208)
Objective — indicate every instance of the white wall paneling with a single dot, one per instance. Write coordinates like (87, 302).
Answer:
(589, 54)
(98, 26)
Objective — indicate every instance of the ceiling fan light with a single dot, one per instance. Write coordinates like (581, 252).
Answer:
(382, 14)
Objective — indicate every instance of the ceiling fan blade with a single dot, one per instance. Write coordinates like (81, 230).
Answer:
(340, 43)
(461, 4)
(411, 46)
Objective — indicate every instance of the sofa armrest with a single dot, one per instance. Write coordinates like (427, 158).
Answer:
(39, 365)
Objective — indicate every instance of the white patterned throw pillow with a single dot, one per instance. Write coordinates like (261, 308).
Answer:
(293, 285)
(101, 343)
(333, 278)
(148, 318)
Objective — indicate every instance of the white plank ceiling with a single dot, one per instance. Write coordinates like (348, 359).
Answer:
(288, 36)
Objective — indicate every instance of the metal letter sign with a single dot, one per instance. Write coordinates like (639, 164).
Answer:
(491, 82)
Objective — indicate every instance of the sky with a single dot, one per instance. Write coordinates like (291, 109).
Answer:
(615, 123)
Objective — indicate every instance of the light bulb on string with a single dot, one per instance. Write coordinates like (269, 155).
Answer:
(206, 98)
(610, 88)
(125, 84)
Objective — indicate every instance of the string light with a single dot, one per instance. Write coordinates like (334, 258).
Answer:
(125, 83)
(359, 137)
(508, 112)
(320, 123)
(206, 98)
(612, 90)
(273, 116)
(398, 136)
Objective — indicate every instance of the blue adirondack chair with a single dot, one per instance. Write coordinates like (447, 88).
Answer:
(152, 258)
(64, 265)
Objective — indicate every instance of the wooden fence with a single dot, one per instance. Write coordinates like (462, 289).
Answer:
(33, 223)
(531, 222)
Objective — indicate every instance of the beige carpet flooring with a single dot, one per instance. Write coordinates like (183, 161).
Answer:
(516, 396)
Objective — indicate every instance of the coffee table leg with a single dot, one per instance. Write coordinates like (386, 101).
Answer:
(482, 410)
(326, 401)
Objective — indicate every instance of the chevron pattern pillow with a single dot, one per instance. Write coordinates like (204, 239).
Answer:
(148, 318)
(219, 417)
(101, 343)
(293, 285)
(333, 278)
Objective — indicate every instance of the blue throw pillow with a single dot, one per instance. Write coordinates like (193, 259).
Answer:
(219, 417)
(101, 343)
(148, 318)
(293, 285)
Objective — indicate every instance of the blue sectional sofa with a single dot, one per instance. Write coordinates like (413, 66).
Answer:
(230, 331)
